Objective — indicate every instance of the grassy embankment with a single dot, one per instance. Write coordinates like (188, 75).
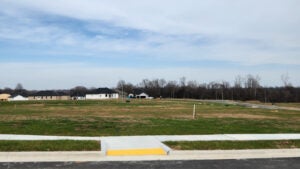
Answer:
(60, 145)
(231, 145)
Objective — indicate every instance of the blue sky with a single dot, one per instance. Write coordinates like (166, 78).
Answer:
(46, 44)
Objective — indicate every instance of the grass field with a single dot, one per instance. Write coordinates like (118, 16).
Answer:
(296, 105)
(233, 145)
(61, 145)
(140, 117)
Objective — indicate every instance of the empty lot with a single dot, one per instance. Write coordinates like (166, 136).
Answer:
(141, 117)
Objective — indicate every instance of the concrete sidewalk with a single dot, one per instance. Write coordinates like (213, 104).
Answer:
(210, 137)
(174, 155)
(230, 137)
(41, 137)
(152, 145)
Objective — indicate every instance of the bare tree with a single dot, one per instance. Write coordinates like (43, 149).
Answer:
(238, 85)
(252, 83)
(78, 91)
(238, 81)
(171, 88)
(124, 87)
(182, 90)
(120, 84)
(162, 83)
(285, 80)
(7, 90)
(19, 87)
(182, 81)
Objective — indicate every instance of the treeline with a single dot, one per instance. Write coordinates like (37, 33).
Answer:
(244, 88)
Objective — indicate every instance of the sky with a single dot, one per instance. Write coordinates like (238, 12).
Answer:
(47, 44)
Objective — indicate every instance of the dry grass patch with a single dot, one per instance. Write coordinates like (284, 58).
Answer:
(237, 115)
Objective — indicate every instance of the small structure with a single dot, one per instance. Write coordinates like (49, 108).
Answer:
(142, 96)
(49, 95)
(17, 98)
(102, 93)
(131, 95)
(4, 97)
(139, 94)
(78, 97)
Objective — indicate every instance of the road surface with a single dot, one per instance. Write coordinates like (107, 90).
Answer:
(283, 163)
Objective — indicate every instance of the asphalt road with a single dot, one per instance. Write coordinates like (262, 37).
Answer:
(283, 163)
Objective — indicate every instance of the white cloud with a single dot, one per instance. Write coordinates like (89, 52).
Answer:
(249, 32)
(272, 22)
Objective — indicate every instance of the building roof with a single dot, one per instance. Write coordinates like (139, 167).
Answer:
(78, 94)
(101, 91)
(142, 94)
(137, 91)
(4, 96)
(15, 95)
(49, 93)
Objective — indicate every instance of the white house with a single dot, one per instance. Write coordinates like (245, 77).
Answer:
(142, 96)
(139, 94)
(17, 98)
(101, 93)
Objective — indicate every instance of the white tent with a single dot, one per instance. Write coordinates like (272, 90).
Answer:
(17, 98)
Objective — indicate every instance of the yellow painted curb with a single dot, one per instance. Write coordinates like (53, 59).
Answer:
(151, 151)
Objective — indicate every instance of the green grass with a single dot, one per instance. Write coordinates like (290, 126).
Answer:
(59, 145)
(113, 127)
(231, 145)
(140, 117)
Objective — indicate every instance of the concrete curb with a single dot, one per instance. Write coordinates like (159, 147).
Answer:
(174, 155)
(211, 137)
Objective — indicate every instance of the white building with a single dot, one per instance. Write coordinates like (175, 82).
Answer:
(102, 93)
(78, 97)
(142, 96)
(17, 98)
(139, 94)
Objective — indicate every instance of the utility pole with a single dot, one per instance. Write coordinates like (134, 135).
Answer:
(194, 112)
(265, 95)
(222, 96)
(122, 93)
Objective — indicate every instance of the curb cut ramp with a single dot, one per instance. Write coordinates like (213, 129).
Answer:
(133, 146)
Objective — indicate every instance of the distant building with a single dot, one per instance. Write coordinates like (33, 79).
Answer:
(139, 94)
(131, 95)
(17, 98)
(142, 96)
(49, 95)
(102, 93)
(4, 97)
(78, 97)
